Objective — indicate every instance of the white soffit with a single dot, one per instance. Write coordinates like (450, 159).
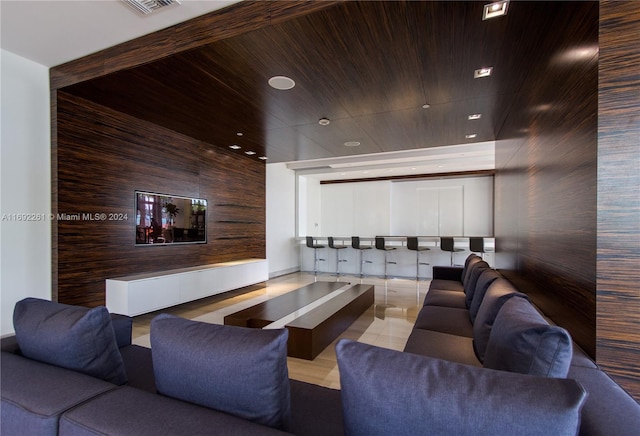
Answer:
(57, 31)
(455, 158)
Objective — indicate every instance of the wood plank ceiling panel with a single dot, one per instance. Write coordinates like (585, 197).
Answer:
(367, 66)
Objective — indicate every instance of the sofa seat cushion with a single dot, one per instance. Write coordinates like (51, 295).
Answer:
(237, 370)
(389, 392)
(442, 346)
(496, 295)
(446, 285)
(71, 337)
(35, 394)
(449, 320)
(128, 411)
(608, 410)
(522, 341)
(438, 297)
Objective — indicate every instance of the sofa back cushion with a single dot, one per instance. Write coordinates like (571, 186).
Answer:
(71, 337)
(237, 370)
(472, 279)
(522, 341)
(389, 392)
(486, 276)
(471, 260)
(498, 292)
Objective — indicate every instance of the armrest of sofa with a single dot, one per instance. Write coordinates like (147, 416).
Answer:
(9, 344)
(447, 273)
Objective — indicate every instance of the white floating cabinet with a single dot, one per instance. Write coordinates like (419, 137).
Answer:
(142, 293)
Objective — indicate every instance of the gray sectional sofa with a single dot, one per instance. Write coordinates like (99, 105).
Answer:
(480, 360)
(473, 316)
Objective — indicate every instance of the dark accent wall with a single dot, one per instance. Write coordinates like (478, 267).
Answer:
(545, 217)
(99, 157)
(567, 217)
(102, 157)
(618, 258)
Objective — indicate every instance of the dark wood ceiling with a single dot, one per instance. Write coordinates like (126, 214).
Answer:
(367, 66)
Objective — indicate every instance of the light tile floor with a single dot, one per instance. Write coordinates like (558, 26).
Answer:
(397, 302)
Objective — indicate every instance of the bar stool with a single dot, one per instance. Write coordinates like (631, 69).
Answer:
(337, 248)
(448, 244)
(380, 245)
(476, 245)
(312, 244)
(355, 243)
(412, 244)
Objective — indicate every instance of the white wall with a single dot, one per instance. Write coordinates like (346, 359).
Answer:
(356, 208)
(282, 249)
(443, 207)
(310, 218)
(25, 176)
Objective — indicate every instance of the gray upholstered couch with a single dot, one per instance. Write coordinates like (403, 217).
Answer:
(455, 376)
(472, 315)
(45, 399)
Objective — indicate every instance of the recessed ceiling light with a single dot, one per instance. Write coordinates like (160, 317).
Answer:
(426, 106)
(263, 158)
(496, 9)
(281, 82)
(235, 147)
(250, 152)
(471, 136)
(239, 133)
(482, 72)
(324, 121)
(475, 116)
(351, 144)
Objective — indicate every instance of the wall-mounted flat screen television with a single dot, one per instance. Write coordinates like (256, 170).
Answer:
(170, 219)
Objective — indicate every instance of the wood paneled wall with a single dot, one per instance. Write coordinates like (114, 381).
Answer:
(545, 217)
(567, 194)
(100, 157)
(618, 270)
(103, 156)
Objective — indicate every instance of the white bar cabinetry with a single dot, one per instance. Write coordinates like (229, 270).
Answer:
(142, 293)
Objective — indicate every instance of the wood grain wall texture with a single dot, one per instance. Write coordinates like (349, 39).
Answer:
(102, 157)
(545, 183)
(618, 272)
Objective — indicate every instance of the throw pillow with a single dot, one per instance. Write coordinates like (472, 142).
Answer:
(496, 295)
(485, 278)
(389, 392)
(472, 280)
(237, 370)
(522, 341)
(471, 260)
(71, 337)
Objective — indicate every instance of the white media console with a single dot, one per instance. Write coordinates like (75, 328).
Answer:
(142, 293)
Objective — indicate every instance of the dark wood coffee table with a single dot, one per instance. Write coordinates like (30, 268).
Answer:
(313, 331)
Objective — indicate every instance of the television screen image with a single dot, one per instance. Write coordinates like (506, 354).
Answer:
(170, 219)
